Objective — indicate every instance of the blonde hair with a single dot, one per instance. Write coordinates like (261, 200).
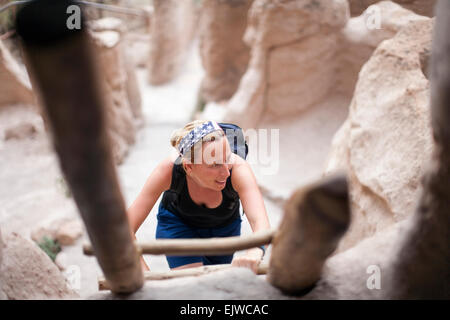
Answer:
(179, 134)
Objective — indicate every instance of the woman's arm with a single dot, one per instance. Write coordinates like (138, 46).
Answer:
(158, 181)
(244, 182)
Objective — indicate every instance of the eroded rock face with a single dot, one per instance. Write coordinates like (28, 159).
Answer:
(224, 54)
(422, 7)
(386, 141)
(172, 29)
(1, 247)
(314, 104)
(66, 231)
(15, 85)
(131, 84)
(21, 131)
(120, 114)
(2, 294)
(304, 53)
(293, 46)
(361, 36)
(26, 272)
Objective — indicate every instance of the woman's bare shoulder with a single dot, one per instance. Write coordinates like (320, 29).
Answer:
(237, 161)
(161, 175)
(241, 172)
(167, 163)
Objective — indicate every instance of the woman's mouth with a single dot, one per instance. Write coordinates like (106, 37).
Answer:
(221, 183)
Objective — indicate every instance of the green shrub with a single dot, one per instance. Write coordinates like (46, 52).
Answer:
(51, 247)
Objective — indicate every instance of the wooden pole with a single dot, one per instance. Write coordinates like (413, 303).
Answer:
(315, 219)
(211, 246)
(190, 272)
(60, 63)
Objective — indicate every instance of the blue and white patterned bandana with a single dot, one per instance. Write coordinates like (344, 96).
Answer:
(196, 134)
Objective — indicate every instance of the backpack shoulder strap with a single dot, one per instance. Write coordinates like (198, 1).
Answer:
(178, 176)
(235, 138)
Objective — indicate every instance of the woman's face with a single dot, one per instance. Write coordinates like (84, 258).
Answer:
(214, 169)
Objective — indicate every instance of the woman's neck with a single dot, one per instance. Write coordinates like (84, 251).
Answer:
(203, 196)
(195, 187)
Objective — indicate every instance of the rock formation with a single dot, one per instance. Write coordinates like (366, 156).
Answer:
(386, 141)
(362, 35)
(120, 89)
(65, 231)
(293, 45)
(2, 294)
(26, 272)
(412, 257)
(172, 30)
(224, 54)
(132, 86)
(422, 7)
(303, 54)
(21, 131)
(307, 106)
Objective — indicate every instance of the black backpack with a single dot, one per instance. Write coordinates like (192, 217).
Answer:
(236, 139)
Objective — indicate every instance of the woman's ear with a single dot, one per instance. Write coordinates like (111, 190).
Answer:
(187, 167)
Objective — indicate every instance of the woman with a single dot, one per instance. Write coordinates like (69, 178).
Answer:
(202, 187)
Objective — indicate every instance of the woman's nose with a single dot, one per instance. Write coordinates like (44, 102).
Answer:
(225, 170)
